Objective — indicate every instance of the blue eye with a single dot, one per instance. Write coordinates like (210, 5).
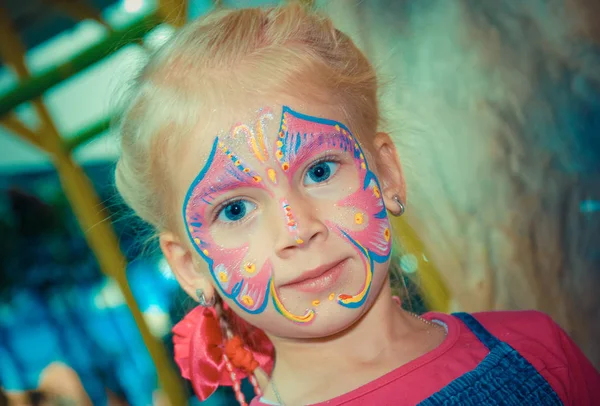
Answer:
(320, 172)
(235, 211)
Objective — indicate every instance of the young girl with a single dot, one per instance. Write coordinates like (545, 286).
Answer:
(250, 143)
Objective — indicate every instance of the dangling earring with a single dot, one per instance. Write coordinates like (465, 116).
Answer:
(401, 207)
(202, 299)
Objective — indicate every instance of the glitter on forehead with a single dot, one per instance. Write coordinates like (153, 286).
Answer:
(238, 162)
(301, 137)
(255, 136)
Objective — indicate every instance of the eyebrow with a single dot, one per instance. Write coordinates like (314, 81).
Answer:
(301, 146)
(207, 192)
(228, 177)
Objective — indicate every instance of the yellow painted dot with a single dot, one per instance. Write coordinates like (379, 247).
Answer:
(279, 144)
(386, 234)
(279, 154)
(299, 241)
(362, 156)
(285, 166)
(247, 300)
(363, 166)
(246, 170)
(250, 267)
(230, 155)
(284, 127)
(257, 178)
(281, 134)
(358, 218)
(237, 163)
(316, 302)
(337, 127)
(205, 252)
(197, 240)
(331, 296)
(223, 277)
(272, 175)
(344, 132)
(376, 192)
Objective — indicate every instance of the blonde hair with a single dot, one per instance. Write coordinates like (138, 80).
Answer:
(214, 59)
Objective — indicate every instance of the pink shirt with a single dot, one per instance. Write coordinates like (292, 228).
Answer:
(533, 334)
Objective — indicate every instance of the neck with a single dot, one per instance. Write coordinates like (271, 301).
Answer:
(305, 363)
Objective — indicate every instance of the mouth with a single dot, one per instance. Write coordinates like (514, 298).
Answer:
(318, 279)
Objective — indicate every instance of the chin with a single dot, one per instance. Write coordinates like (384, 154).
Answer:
(329, 321)
(329, 317)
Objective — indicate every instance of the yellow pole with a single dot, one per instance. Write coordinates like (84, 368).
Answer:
(79, 10)
(12, 123)
(103, 242)
(90, 214)
(174, 12)
(435, 292)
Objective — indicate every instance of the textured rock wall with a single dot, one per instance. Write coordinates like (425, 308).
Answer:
(495, 106)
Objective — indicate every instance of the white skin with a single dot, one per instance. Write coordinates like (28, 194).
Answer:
(339, 350)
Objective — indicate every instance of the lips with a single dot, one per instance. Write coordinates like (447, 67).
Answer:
(318, 279)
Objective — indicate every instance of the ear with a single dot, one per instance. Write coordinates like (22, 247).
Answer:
(389, 170)
(183, 264)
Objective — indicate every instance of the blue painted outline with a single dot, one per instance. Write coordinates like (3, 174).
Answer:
(239, 286)
(369, 175)
(366, 253)
(370, 256)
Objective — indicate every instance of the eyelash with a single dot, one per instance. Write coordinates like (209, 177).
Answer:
(223, 205)
(328, 158)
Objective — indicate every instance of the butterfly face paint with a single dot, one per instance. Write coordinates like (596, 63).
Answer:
(303, 137)
(298, 148)
(238, 276)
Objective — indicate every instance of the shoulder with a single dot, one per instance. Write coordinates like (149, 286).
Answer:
(512, 326)
(550, 350)
(523, 323)
(524, 328)
(532, 333)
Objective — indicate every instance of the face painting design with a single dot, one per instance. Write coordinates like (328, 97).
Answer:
(299, 140)
(291, 221)
(240, 279)
(302, 137)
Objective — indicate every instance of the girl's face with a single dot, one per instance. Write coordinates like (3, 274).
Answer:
(287, 214)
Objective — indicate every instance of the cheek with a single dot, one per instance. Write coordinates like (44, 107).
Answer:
(354, 217)
(238, 267)
(354, 208)
(380, 275)
(346, 182)
(231, 237)
(362, 218)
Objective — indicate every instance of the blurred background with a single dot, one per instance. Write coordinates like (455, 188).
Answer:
(495, 107)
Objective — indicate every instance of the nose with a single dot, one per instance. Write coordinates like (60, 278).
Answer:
(298, 227)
